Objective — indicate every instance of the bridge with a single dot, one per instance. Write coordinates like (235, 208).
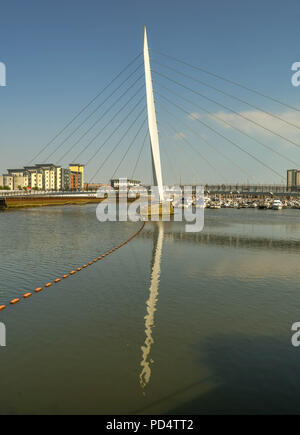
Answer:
(212, 134)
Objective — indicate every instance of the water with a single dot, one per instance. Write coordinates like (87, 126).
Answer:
(173, 322)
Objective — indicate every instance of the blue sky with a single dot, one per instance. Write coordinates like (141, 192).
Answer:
(59, 54)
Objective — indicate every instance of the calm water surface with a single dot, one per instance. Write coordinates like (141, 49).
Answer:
(173, 322)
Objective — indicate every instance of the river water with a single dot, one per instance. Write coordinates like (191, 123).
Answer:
(172, 322)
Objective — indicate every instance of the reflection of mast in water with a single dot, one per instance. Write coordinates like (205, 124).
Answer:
(151, 305)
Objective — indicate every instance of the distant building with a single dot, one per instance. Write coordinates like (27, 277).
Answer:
(20, 182)
(94, 186)
(44, 176)
(123, 183)
(76, 176)
(293, 179)
(65, 179)
(17, 172)
(8, 181)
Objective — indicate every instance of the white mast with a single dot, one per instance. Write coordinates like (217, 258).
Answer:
(156, 162)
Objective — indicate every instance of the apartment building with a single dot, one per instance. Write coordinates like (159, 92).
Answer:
(76, 180)
(46, 176)
(76, 176)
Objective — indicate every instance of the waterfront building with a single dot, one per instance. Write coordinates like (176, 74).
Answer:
(77, 176)
(45, 176)
(65, 178)
(94, 186)
(17, 172)
(20, 182)
(36, 180)
(51, 176)
(122, 183)
(8, 181)
(75, 180)
(293, 179)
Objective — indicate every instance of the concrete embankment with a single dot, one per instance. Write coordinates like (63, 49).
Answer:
(42, 201)
(48, 201)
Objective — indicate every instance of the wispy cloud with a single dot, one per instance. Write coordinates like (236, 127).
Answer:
(240, 120)
(179, 136)
(194, 115)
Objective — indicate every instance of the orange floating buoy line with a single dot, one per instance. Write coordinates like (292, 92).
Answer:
(27, 295)
(78, 269)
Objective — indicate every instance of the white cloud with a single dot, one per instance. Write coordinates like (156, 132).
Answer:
(194, 115)
(259, 117)
(179, 136)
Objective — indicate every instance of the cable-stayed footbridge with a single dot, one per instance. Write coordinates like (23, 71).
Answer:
(165, 120)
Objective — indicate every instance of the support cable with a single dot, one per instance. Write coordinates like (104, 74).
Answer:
(227, 80)
(92, 113)
(231, 126)
(226, 138)
(227, 94)
(100, 119)
(128, 148)
(124, 119)
(84, 108)
(164, 150)
(198, 152)
(228, 108)
(183, 154)
(116, 146)
(139, 154)
(208, 143)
